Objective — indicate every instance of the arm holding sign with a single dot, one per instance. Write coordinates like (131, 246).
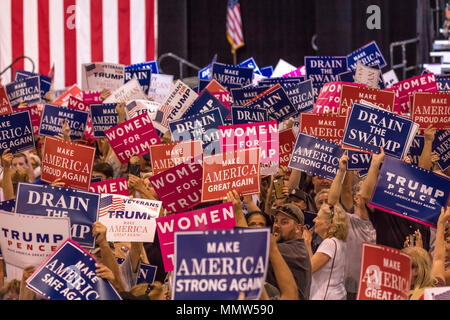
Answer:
(250, 204)
(233, 196)
(8, 189)
(425, 157)
(336, 186)
(438, 267)
(368, 185)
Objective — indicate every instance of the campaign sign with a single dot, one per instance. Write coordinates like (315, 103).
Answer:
(217, 217)
(244, 115)
(16, 132)
(160, 86)
(5, 106)
(443, 83)
(431, 109)
(73, 91)
(179, 188)
(385, 273)
(238, 170)
(132, 137)
(383, 99)
(53, 118)
(266, 71)
(143, 76)
(131, 90)
(168, 155)
(28, 240)
(91, 97)
(69, 274)
(299, 72)
(244, 251)
(280, 80)
(328, 127)
(415, 150)
(138, 107)
(203, 126)
(152, 65)
(44, 81)
(253, 135)
(316, 156)
(439, 293)
(287, 143)
(441, 145)
(358, 160)
(27, 90)
(71, 162)
(35, 116)
(104, 117)
(80, 206)
(147, 273)
(206, 102)
(370, 76)
(243, 95)
(425, 83)
(368, 55)
(114, 186)
(77, 104)
(325, 68)
(102, 75)
(8, 205)
(411, 192)
(231, 76)
(128, 220)
(329, 97)
(301, 95)
(250, 63)
(369, 128)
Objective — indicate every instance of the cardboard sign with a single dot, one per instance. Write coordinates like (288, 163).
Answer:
(328, 127)
(175, 105)
(389, 78)
(358, 160)
(71, 162)
(441, 145)
(247, 259)
(217, 217)
(104, 117)
(244, 115)
(367, 75)
(5, 106)
(132, 137)
(102, 75)
(203, 126)
(280, 80)
(160, 86)
(53, 118)
(147, 273)
(367, 55)
(113, 186)
(35, 116)
(77, 104)
(329, 97)
(442, 293)
(225, 99)
(168, 155)
(91, 97)
(253, 135)
(44, 81)
(266, 71)
(385, 273)
(152, 65)
(138, 107)
(27, 90)
(231, 76)
(431, 108)
(179, 188)
(369, 128)
(410, 192)
(8, 205)
(324, 69)
(301, 95)
(383, 99)
(287, 143)
(63, 99)
(299, 72)
(69, 274)
(128, 220)
(238, 170)
(243, 95)
(206, 102)
(143, 76)
(131, 90)
(16, 132)
(316, 156)
(80, 206)
(250, 63)
(282, 68)
(443, 83)
(425, 82)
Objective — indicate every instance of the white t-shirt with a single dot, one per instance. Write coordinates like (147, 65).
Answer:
(336, 289)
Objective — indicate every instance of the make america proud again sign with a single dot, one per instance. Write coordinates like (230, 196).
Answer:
(431, 109)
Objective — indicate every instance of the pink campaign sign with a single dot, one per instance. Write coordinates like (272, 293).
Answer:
(300, 72)
(113, 186)
(218, 217)
(132, 137)
(92, 97)
(329, 97)
(403, 89)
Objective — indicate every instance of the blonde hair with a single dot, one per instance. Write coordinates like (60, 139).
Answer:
(154, 294)
(421, 260)
(12, 286)
(339, 222)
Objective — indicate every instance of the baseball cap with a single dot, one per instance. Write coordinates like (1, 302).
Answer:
(298, 194)
(292, 211)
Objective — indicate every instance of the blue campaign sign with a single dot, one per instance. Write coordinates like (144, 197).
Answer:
(53, 118)
(104, 117)
(218, 265)
(205, 73)
(203, 126)
(368, 55)
(369, 128)
(358, 160)
(231, 76)
(411, 192)
(80, 206)
(147, 273)
(8, 205)
(441, 145)
(69, 274)
(443, 83)
(202, 85)
(324, 69)
(206, 102)
(44, 81)
(280, 80)
(301, 95)
(152, 65)
(243, 95)
(143, 75)
(309, 218)
(266, 71)
(16, 132)
(250, 63)
(316, 156)
(242, 115)
(415, 150)
(27, 90)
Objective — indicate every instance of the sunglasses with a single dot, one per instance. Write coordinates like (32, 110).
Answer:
(332, 212)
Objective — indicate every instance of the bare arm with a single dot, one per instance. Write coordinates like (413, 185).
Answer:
(336, 186)
(318, 259)
(425, 157)
(347, 192)
(250, 204)
(8, 190)
(233, 196)
(438, 267)
(294, 179)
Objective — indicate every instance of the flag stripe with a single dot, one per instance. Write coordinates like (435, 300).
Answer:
(234, 25)
(57, 42)
(70, 41)
(150, 31)
(30, 35)
(44, 36)
(17, 33)
(96, 31)
(124, 31)
(110, 36)
(5, 40)
(137, 39)
(83, 29)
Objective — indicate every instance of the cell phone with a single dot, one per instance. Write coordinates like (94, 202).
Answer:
(278, 185)
(135, 169)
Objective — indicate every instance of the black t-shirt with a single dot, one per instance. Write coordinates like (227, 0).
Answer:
(392, 229)
(154, 256)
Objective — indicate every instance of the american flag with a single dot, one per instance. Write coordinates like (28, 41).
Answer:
(234, 25)
(108, 203)
(68, 33)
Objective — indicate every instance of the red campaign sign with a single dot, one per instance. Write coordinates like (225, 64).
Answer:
(224, 98)
(5, 106)
(328, 127)
(384, 99)
(71, 162)
(287, 143)
(132, 137)
(214, 86)
(330, 97)
(385, 273)
(168, 155)
(63, 99)
(431, 108)
(236, 170)
(179, 188)
(422, 83)
(77, 104)
(113, 186)
(35, 116)
(92, 97)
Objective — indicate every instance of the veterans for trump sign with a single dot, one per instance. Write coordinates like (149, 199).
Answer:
(385, 273)
(131, 90)
(431, 109)
(53, 117)
(71, 162)
(101, 75)
(215, 217)
(16, 132)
